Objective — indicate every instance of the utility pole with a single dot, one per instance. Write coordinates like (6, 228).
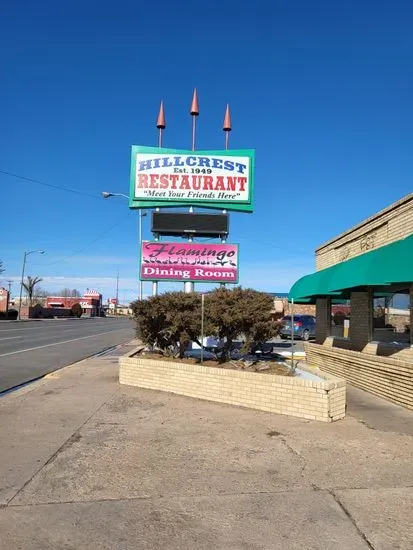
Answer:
(117, 293)
(106, 195)
(22, 279)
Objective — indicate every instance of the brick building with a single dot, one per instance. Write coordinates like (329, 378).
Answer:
(91, 303)
(283, 307)
(4, 300)
(368, 265)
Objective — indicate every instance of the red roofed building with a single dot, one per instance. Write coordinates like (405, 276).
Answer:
(91, 303)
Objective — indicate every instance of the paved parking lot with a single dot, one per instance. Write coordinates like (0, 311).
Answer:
(86, 463)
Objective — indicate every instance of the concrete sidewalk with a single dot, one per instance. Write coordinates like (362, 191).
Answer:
(87, 464)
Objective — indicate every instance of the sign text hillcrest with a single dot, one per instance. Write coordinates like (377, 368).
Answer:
(211, 179)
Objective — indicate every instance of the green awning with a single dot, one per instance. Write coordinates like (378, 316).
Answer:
(383, 266)
(307, 289)
(398, 266)
(388, 264)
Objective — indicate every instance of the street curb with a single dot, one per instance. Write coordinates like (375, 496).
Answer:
(23, 389)
(31, 385)
(52, 319)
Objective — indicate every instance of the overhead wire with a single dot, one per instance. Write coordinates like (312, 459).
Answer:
(96, 239)
(68, 190)
(95, 196)
(59, 187)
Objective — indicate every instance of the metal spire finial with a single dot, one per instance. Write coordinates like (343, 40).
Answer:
(227, 120)
(161, 123)
(194, 106)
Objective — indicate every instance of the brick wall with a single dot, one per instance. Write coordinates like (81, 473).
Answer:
(323, 317)
(299, 309)
(324, 400)
(285, 308)
(40, 312)
(399, 322)
(385, 227)
(411, 314)
(361, 319)
(386, 377)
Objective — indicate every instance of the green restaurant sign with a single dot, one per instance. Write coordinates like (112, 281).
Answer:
(209, 179)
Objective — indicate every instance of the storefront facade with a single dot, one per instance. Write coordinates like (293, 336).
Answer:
(370, 266)
(91, 303)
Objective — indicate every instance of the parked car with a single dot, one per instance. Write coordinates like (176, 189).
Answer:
(304, 327)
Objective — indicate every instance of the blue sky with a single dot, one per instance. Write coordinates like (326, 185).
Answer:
(322, 90)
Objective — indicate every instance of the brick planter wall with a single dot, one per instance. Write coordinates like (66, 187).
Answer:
(386, 377)
(324, 400)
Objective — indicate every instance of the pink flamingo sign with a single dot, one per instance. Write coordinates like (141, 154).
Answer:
(198, 262)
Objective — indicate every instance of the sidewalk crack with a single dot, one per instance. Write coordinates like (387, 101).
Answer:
(353, 521)
(75, 436)
(295, 453)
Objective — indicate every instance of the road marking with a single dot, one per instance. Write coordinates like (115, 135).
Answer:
(6, 330)
(58, 343)
(11, 338)
(37, 325)
(42, 322)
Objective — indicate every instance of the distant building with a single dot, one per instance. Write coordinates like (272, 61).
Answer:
(282, 307)
(4, 300)
(91, 303)
(113, 307)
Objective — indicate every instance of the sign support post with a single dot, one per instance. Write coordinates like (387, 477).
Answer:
(154, 283)
(140, 247)
(292, 335)
(161, 125)
(189, 285)
(202, 326)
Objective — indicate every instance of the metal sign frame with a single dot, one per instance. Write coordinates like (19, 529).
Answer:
(182, 163)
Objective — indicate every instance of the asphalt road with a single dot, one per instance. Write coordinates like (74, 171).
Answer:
(32, 349)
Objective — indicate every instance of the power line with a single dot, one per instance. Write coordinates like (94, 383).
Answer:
(59, 187)
(76, 252)
(93, 196)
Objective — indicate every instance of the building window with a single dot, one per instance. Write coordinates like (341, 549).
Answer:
(391, 317)
(340, 319)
